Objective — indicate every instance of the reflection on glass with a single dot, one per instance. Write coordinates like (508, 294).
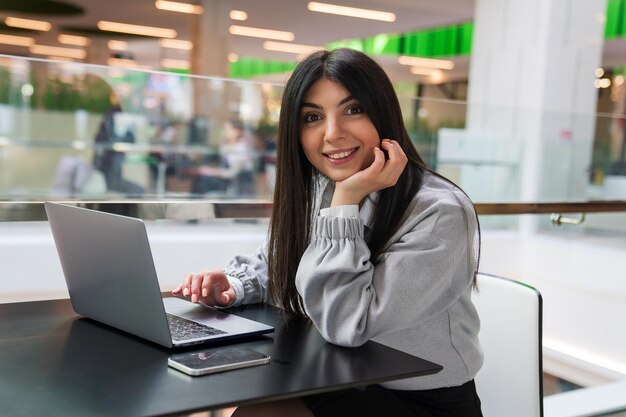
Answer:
(71, 130)
(83, 131)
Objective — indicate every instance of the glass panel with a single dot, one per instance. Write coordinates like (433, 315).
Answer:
(86, 131)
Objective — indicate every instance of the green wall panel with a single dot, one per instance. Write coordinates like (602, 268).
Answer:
(611, 29)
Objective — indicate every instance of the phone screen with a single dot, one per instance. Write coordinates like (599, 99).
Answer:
(216, 360)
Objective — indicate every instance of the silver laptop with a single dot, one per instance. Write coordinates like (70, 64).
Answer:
(110, 275)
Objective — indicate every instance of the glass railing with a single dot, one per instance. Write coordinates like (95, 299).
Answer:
(78, 131)
(71, 130)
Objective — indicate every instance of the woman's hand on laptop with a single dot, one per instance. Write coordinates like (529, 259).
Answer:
(210, 287)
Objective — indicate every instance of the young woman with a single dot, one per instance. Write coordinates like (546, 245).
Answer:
(365, 241)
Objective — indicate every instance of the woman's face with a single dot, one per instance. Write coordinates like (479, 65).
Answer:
(337, 137)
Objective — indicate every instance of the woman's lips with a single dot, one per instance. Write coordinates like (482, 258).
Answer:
(341, 156)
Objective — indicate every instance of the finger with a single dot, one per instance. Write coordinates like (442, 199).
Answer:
(229, 296)
(186, 284)
(219, 284)
(196, 284)
(397, 157)
(225, 298)
(400, 151)
(396, 163)
(378, 163)
(222, 289)
(206, 285)
(393, 148)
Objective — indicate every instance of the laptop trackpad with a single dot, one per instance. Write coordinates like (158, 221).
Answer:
(209, 316)
(191, 310)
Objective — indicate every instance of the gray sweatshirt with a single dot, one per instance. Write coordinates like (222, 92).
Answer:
(416, 297)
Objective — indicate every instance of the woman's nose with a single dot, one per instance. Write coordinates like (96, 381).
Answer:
(334, 130)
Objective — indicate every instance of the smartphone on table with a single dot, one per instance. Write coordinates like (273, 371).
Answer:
(204, 362)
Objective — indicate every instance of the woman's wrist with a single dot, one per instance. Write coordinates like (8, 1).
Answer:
(341, 198)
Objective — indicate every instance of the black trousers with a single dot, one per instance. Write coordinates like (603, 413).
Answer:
(376, 401)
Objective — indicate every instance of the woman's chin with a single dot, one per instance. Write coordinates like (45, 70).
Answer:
(338, 176)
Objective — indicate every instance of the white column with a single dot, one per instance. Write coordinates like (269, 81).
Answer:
(531, 100)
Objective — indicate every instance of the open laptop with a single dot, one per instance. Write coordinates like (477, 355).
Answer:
(111, 278)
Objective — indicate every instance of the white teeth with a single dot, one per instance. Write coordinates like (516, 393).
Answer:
(340, 154)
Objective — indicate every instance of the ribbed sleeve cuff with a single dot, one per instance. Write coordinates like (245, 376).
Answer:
(338, 228)
(351, 210)
(238, 287)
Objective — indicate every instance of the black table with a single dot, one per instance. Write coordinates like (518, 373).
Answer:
(55, 363)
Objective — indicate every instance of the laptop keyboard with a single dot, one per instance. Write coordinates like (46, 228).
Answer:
(183, 329)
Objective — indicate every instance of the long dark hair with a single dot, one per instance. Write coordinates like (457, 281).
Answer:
(294, 195)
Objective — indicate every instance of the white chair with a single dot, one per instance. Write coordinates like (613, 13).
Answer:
(510, 382)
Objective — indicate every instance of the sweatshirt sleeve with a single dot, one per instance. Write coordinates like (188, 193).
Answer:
(424, 270)
(248, 276)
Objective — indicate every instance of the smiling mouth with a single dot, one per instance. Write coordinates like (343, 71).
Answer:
(341, 155)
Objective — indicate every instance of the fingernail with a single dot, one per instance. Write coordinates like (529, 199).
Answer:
(186, 292)
(194, 298)
(205, 292)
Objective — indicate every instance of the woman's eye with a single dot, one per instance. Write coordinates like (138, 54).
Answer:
(308, 118)
(355, 110)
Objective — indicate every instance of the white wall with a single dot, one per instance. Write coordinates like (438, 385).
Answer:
(584, 294)
(30, 269)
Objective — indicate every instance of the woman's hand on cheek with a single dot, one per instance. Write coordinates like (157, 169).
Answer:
(379, 175)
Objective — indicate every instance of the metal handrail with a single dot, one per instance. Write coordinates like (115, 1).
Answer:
(189, 209)
(556, 207)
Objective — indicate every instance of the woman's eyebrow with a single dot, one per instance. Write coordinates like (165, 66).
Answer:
(316, 106)
(345, 100)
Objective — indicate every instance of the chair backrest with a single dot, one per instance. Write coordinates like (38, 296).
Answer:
(510, 382)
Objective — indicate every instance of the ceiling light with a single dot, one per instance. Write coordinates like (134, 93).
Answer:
(17, 22)
(238, 15)
(58, 51)
(174, 6)
(351, 11)
(261, 33)
(117, 45)
(16, 40)
(175, 63)
(426, 62)
(435, 75)
(136, 29)
(176, 44)
(233, 57)
(424, 71)
(602, 83)
(73, 40)
(292, 48)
